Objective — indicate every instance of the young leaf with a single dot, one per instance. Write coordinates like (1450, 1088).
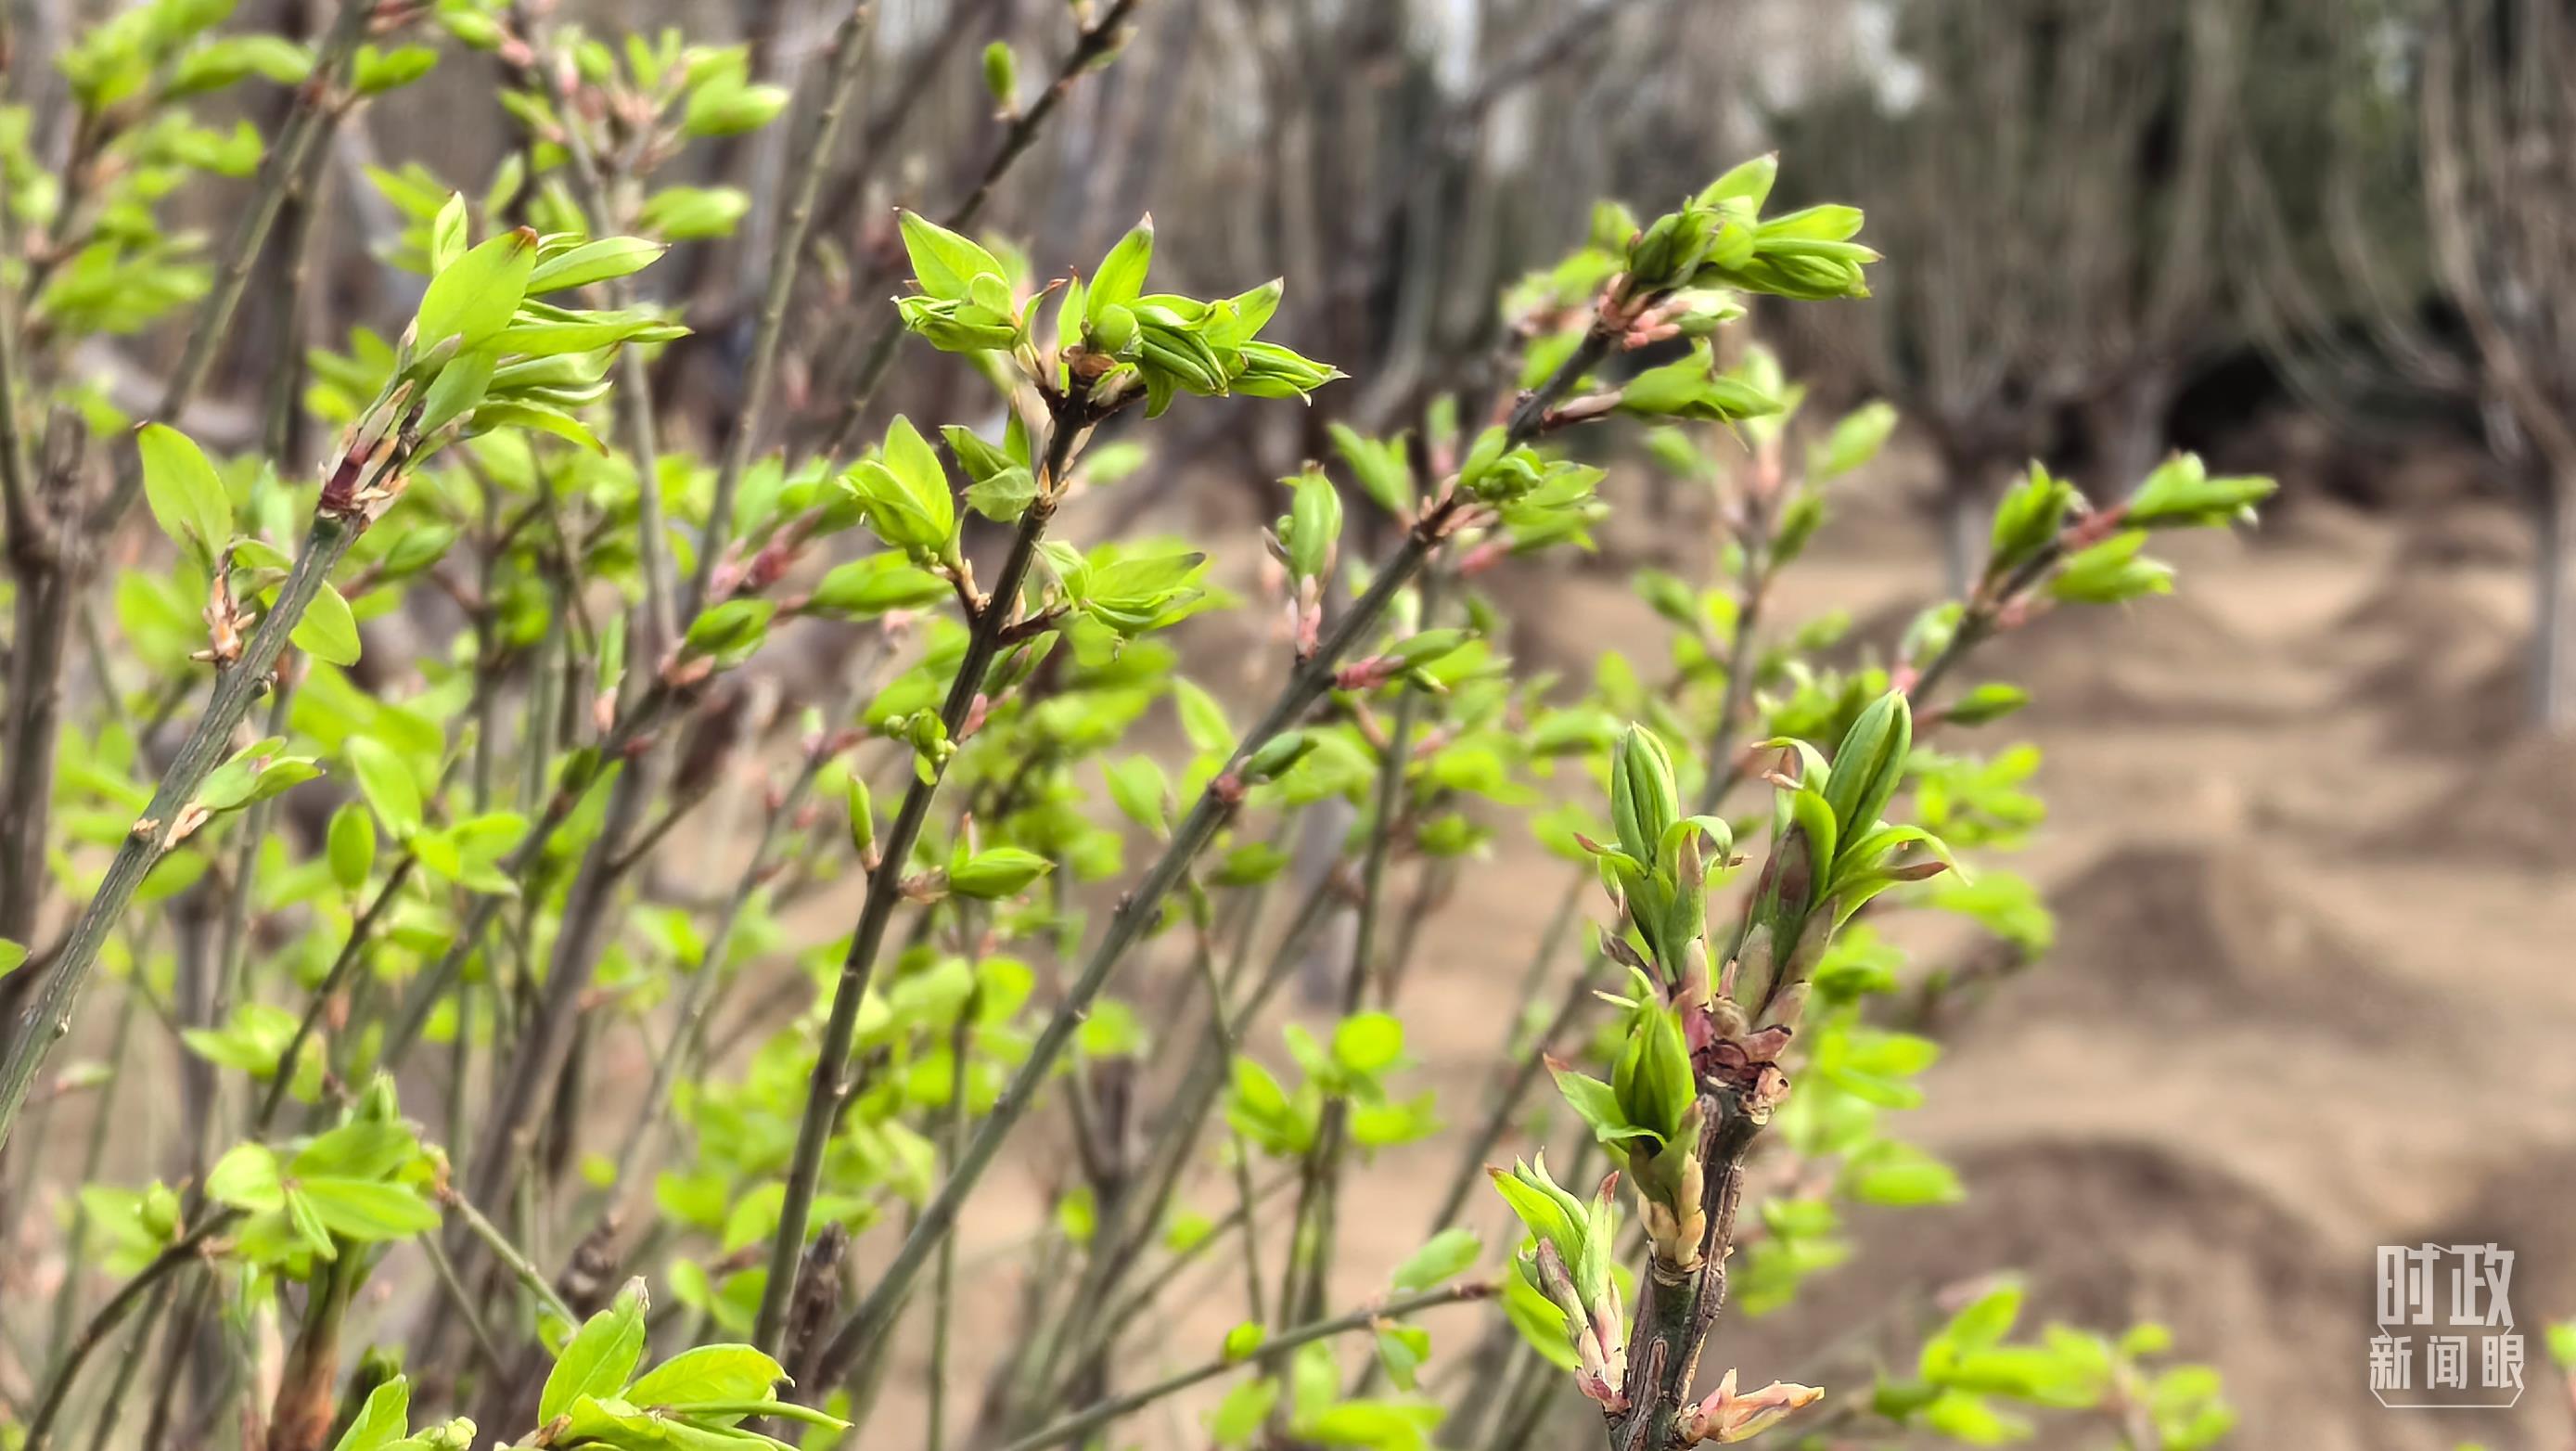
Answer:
(474, 299)
(382, 1420)
(710, 1374)
(328, 630)
(186, 496)
(1449, 1253)
(599, 1357)
(387, 783)
(1121, 278)
(596, 261)
(943, 262)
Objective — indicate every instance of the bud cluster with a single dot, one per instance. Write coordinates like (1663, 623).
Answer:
(1572, 1246)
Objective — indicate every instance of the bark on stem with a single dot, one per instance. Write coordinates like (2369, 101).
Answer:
(829, 1088)
(239, 684)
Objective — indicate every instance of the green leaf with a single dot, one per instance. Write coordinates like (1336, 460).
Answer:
(1243, 1411)
(381, 1421)
(1856, 439)
(595, 261)
(475, 299)
(447, 235)
(945, 263)
(12, 954)
(874, 584)
(1901, 1174)
(1202, 719)
(906, 495)
(366, 1212)
(600, 1356)
(186, 496)
(1449, 1253)
(709, 1374)
(359, 1149)
(1244, 1339)
(1120, 279)
(328, 631)
(387, 783)
(352, 846)
(247, 1177)
(1000, 871)
(1368, 1043)
(2180, 493)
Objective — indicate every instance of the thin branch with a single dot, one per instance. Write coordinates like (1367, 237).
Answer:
(239, 683)
(351, 951)
(1096, 42)
(829, 1087)
(1083, 1422)
(181, 1252)
(508, 1254)
(849, 57)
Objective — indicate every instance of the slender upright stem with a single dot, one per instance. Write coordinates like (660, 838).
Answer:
(463, 1302)
(182, 1251)
(1097, 41)
(849, 58)
(830, 1086)
(658, 614)
(235, 688)
(1310, 1256)
(944, 1283)
(351, 953)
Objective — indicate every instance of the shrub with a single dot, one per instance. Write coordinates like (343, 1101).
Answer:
(469, 906)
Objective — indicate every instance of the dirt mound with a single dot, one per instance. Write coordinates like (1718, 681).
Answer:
(2516, 805)
(2469, 534)
(2444, 705)
(2181, 939)
(2412, 608)
(2106, 1234)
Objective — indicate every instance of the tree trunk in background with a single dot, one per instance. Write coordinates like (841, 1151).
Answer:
(2553, 625)
(2128, 432)
(1966, 516)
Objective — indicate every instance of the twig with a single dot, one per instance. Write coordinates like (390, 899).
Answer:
(181, 1252)
(463, 1301)
(1096, 41)
(658, 613)
(1310, 1252)
(341, 966)
(943, 1297)
(849, 58)
(1082, 1422)
(507, 1253)
(235, 688)
(829, 1088)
